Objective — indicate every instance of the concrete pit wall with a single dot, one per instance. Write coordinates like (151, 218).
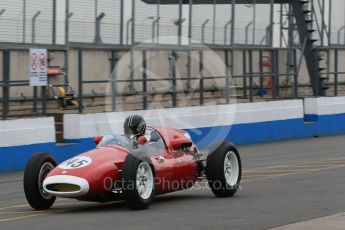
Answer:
(242, 124)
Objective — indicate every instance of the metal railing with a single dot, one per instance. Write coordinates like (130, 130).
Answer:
(117, 25)
(253, 84)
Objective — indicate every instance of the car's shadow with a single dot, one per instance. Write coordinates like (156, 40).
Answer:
(89, 207)
(121, 205)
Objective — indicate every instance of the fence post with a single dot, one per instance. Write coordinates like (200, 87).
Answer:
(34, 108)
(158, 17)
(189, 60)
(244, 55)
(247, 32)
(66, 52)
(98, 37)
(329, 23)
(201, 76)
(67, 17)
(251, 88)
(336, 72)
(261, 79)
(54, 23)
(6, 80)
(189, 69)
(295, 87)
(121, 21)
(144, 80)
(271, 32)
(226, 32)
(254, 22)
(155, 22)
(179, 33)
(214, 22)
(44, 100)
(233, 4)
(203, 30)
(133, 22)
(129, 21)
(80, 80)
(190, 23)
(131, 74)
(24, 21)
(274, 76)
(173, 63)
(33, 41)
(33, 28)
(227, 76)
(114, 58)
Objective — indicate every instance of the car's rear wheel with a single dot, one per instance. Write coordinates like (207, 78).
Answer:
(224, 170)
(139, 182)
(36, 170)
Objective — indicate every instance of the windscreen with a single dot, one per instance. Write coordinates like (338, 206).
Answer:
(118, 140)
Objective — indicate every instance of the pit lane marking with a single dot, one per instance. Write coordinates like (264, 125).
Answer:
(269, 176)
(26, 212)
(26, 205)
(292, 169)
(328, 162)
(23, 217)
(37, 213)
(14, 206)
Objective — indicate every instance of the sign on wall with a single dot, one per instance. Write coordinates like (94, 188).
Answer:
(38, 67)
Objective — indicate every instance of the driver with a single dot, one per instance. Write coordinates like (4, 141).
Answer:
(134, 125)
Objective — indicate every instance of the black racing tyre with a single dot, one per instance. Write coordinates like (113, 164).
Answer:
(138, 181)
(36, 170)
(224, 169)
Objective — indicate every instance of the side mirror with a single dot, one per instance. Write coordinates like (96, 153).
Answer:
(142, 140)
(180, 142)
(98, 139)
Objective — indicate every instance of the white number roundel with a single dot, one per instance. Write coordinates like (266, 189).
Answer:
(76, 162)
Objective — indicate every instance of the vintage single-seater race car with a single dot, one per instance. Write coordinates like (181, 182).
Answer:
(120, 168)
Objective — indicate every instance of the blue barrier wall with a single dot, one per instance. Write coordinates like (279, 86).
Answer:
(20, 139)
(15, 158)
(251, 123)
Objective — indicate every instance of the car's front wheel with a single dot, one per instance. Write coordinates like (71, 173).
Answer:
(224, 170)
(36, 170)
(139, 182)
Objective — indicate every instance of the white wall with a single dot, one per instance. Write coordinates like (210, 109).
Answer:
(324, 105)
(27, 131)
(90, 125)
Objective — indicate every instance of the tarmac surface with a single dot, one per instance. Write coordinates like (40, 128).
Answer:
(285, 185)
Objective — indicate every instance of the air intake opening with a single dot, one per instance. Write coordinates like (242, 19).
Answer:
(63, 187)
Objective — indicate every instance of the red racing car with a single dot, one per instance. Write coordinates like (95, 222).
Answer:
(120, 168)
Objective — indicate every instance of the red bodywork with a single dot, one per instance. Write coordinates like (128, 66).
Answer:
(177, 168)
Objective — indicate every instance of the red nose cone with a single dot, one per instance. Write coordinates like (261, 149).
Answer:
(142, 140)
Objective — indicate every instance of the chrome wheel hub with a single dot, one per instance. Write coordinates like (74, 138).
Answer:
(45, 169)
(231, 168)
(144, 180)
